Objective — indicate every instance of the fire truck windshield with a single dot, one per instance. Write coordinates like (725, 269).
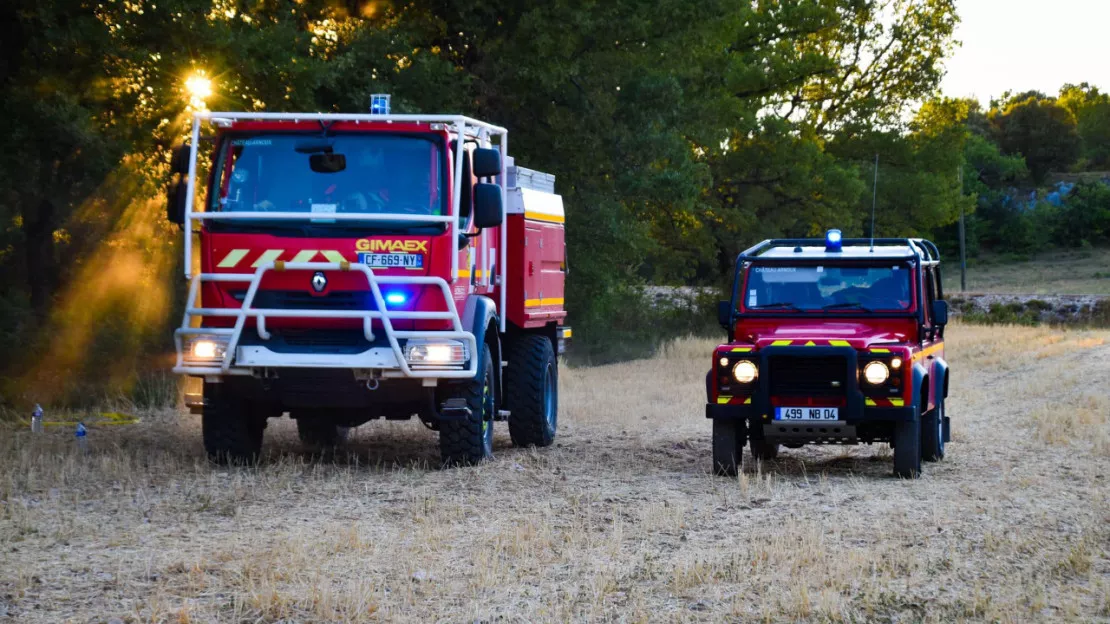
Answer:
(832, 288)
(340, 173)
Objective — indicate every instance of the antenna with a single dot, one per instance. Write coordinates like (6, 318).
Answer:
(874, 201)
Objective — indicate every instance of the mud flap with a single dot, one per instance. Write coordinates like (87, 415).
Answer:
(947, 430)
(454, 409)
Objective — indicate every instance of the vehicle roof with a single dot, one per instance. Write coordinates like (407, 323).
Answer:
(847, 253)
(852, 249)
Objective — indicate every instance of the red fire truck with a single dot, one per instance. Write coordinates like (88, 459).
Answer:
(348, 267)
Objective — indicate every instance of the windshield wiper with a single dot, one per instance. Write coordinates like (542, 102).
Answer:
(777, 304)
(847, 304)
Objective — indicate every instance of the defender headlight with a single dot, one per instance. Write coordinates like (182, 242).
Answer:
(422, 352)
(744, 371)
(203, 349)
(876, 373)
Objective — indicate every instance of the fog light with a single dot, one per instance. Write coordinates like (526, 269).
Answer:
(896, 363)
(876, 373)
(744, 371)
(423, 352)
(205, 349)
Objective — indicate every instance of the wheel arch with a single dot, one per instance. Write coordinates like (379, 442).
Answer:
(480, 317)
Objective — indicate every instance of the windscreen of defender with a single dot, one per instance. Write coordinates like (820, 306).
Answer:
(827, 288)
(341, 173)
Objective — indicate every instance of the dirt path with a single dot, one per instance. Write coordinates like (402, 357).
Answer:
(621, 521)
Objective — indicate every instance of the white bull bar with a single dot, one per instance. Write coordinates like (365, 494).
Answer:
(354, 361)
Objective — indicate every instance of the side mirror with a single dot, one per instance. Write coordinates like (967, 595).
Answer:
(940, 312)
(176, 196)
(179, 160)
(487, 162)
(724, 313)
(487, 205)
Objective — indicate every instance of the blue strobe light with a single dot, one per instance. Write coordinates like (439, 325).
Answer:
(395, 298)
(832, 240)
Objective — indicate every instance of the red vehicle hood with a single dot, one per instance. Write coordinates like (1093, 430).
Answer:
(858, 333)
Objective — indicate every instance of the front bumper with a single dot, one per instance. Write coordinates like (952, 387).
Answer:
(757, 407)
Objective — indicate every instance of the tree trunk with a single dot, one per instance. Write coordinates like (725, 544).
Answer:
(38, 230)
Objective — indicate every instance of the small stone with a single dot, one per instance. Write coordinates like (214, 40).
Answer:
(517, 467)
(421, 575)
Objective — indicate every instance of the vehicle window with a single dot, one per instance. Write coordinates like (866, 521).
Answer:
(930, 294)
(385, 174)
(829, 288)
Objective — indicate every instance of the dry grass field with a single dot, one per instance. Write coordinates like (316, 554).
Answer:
(620, 522)
(1083, 272)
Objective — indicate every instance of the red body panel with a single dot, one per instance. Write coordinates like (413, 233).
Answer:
(537, 272)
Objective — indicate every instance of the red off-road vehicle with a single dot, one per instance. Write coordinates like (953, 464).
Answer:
(832, 342)
(346, 267)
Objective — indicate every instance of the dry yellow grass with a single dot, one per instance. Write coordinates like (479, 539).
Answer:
(620, 522)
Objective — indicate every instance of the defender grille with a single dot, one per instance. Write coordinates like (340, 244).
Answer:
(792, 375)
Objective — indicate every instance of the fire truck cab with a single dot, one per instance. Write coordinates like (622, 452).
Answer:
(834, 341)
(347, 267)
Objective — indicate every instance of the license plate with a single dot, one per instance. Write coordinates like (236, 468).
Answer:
(807, 413)
(392, 260)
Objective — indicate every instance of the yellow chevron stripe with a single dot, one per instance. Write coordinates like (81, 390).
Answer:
(840, 343)
(232, 258)
(810, 344)
(781, 343)
(741, 349)
(927, 352)
(723, 400)
(880, 350)
(267, 256)
(333, 256)
(748, 401)
(869, 402)
(898, 402)
(305, 256)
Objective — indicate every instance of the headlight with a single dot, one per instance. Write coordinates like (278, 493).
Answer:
(423, 352)
(744, 371)
(876, 373)
(205, 349)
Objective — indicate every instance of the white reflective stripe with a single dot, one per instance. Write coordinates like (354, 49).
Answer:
(232, 258)
(333, 256)
(305, 256)
(267, 256)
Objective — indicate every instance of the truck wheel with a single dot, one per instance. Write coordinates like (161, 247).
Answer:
(467, 441)
(532, 391)
(319, 434)
(907, 448)
(932, 434)
(761, 449)
(232, 430)
(728, 446)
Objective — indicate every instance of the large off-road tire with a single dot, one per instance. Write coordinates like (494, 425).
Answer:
(907, 448)
(532, 390)
(728, 446)
(764, 450)
(231, 427)
(468, 441)
(320, 434)
(932, 433)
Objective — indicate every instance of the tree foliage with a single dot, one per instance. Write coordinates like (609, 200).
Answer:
(1041, 130)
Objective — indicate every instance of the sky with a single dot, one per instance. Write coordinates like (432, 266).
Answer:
(1020, 45)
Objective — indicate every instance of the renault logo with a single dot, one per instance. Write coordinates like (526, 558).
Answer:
(319, 282)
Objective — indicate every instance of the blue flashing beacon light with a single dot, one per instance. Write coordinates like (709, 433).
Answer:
(832, 240)
(395, 298)
(379, 104)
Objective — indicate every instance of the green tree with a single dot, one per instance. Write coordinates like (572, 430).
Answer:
(1091, 109)
(1039, 129)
